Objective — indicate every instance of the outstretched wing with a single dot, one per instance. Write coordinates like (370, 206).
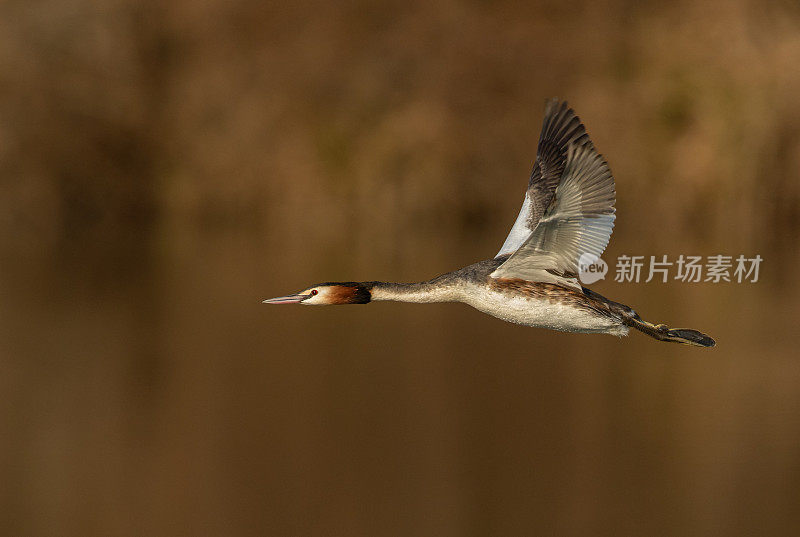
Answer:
(561, 129)
(579, 221)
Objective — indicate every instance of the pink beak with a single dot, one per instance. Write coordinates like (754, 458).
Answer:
(288, 299)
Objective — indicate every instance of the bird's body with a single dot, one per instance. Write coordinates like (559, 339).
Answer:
(567, 216)
(546, 305)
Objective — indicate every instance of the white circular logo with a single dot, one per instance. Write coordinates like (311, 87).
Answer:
(591, 268)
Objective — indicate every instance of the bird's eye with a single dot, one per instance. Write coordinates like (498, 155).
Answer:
(314, 291)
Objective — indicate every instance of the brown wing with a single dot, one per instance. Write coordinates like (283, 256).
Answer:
(561, 129)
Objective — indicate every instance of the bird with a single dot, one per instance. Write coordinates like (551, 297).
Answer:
(566, 218)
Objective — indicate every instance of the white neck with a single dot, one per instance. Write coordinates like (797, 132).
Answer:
(413, 292)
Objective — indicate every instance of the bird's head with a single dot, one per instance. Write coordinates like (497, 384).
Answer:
(328, 293)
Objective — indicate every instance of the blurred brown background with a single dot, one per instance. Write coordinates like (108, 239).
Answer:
(166, 165)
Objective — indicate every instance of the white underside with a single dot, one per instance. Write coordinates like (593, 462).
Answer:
(519, 231)
(541, 313)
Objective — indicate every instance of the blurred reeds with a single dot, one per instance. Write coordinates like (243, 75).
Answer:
(408, 113)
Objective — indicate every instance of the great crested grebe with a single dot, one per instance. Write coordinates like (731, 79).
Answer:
(568, 212)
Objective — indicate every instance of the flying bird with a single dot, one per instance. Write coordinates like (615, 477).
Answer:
(567, 216)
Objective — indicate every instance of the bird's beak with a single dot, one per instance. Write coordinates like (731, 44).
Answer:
(288, 299)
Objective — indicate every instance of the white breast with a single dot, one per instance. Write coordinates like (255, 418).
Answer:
(541, 312)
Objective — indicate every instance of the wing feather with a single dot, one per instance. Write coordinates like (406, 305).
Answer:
(561, 129)
(579, 220)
